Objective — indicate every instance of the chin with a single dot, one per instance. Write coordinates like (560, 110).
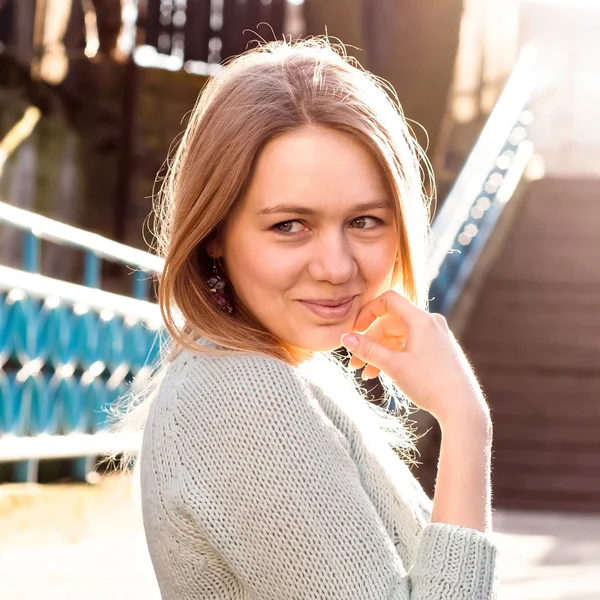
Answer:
(321, 339)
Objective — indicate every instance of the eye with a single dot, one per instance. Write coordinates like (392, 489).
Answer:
(288, 227)
(366, 222)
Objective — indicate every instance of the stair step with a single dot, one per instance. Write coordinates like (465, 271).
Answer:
(538, 429)
(566, 358)
(534, 458)
(556, 209)
(556, 502)
(515, 481)
(567, 264)
(549, 406)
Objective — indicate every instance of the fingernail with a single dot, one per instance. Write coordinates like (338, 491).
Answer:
(363, 377)
(350, 341)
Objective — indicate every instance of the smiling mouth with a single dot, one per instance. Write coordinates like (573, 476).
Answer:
(330, 309)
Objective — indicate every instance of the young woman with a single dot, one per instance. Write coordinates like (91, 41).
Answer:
(293, 223)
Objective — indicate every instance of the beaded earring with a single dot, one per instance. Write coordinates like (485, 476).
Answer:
(217, 285)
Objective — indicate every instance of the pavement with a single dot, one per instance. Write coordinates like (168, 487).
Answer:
(74, 541)
(548, 556)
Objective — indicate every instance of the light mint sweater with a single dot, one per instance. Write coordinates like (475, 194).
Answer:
(259, 484)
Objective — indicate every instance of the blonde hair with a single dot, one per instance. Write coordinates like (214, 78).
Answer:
(268, 91)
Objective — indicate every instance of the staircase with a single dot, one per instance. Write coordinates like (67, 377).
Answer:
(534, 340)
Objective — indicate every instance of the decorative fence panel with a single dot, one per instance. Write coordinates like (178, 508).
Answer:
(61, 364)
(68, 351)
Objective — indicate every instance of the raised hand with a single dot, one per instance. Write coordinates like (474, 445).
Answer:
(419, 352)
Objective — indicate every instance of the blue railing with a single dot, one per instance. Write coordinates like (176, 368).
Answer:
(486, 183)
(67, 350)
(70, 352)
(65, 355)
(95, 248)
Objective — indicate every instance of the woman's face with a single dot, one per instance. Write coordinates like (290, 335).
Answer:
(313, 239)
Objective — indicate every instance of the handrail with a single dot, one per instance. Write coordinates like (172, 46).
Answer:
(455, 210)
(72, 445)
(67, 353)
(503, 195)
(44, 288)
(56, 231)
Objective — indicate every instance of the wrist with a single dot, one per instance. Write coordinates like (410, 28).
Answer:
(474, 421)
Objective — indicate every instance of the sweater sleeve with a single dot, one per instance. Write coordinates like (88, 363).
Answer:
(452, 561)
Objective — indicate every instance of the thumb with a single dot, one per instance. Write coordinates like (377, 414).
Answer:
(370, 352)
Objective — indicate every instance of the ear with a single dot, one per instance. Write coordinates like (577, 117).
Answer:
(213, 247)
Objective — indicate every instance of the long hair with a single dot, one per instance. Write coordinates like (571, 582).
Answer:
(272, 89)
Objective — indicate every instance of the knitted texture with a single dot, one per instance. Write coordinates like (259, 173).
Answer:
(258, 484)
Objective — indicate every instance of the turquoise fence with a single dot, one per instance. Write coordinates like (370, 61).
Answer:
(68, 351)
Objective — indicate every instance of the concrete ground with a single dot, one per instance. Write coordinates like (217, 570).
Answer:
(548, 556)
(76, 541)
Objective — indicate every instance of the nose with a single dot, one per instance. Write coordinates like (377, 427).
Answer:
(332, 259)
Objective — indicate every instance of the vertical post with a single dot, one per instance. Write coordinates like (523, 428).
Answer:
(91, 270)
(31, 253)
(7, 21)
(140, 286)
(26, 471)
(39, 30)
(24, 23)
(82, 466)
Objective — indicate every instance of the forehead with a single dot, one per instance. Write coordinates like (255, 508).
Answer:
(317, 168)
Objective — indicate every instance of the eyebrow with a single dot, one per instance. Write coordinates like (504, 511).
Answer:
(304, 210)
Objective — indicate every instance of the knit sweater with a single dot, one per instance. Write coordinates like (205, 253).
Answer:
(259, 484)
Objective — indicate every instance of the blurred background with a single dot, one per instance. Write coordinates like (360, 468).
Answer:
(94, 93)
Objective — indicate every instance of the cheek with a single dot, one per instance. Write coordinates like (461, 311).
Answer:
(377, 265)
(260, 273)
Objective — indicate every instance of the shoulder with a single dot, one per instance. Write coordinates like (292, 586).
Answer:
(230, 402)
(237, 369)
(218, 381)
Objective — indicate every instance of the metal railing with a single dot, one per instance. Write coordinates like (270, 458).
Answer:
(485, 184)
(68, 351)
(95, 247)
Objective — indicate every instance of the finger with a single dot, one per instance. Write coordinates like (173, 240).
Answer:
(390, 302)
(356, 363)
(369, 351)
(389, 331)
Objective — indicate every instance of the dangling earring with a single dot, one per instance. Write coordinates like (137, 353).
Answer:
(216, 285)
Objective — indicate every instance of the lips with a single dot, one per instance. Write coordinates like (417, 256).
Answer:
(336, 302)
(330, 309)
